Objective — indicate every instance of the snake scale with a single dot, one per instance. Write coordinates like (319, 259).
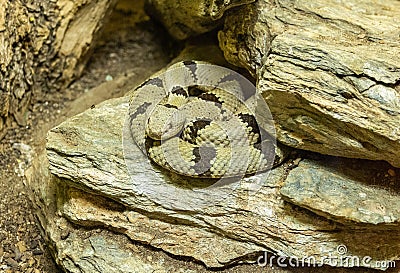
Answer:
(197, 120)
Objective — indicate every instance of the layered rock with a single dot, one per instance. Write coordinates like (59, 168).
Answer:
(327, 71)
(220, 225)
(330, 79)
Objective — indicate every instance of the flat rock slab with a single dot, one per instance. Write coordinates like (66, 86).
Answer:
(327, 71)
(216, 225)
(346, 190)
(93, 248)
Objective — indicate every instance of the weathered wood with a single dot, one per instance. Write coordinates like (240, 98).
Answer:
(44, 45)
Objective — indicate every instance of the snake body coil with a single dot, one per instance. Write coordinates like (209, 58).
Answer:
(197, 119)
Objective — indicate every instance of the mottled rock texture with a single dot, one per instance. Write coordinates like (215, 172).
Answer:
(346, 190)
(93, 151)
(330, 75)
(188, 18)
(328, 71)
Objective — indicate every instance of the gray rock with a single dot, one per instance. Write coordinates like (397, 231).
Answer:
(347, 191)
(216, 225)
(326, 70)
(188, 18)
(79, 249)
(92, 248)
(387, 97)
(103, 252)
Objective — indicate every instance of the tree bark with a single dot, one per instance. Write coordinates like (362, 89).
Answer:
(44, 45)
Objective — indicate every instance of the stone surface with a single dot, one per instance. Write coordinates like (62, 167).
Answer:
(104, 208)
(327, 71)
(187, 240)
(348, 191)
(188, 18)
(92, 248)
(215, 225)
(88, 250)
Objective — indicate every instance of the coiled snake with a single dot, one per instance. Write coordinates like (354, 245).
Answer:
(198, 120)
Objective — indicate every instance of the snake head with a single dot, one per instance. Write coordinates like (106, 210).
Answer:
(165, 122)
